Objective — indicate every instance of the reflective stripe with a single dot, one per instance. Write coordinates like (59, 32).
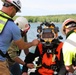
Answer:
(71, 42)
(2, 22)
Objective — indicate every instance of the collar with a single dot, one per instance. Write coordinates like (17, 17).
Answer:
(4, 14)
(72, 31)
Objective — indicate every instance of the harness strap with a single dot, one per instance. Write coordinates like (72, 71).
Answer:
(40, 48)
(59, 49)
(6, 55)
(2, 54)
(53, 67)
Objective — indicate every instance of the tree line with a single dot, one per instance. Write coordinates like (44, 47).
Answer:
(49, 18)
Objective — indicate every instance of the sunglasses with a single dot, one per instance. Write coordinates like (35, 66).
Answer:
(7, 4)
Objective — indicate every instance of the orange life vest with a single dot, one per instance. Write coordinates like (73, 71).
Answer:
(48, 61)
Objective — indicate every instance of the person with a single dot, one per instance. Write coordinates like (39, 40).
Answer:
(69, 46)
(48, 52)
(13, 50)
(29, 60)
(9, 31)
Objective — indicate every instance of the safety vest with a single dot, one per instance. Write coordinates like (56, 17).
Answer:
(47, 70)
(72, 41)
(3, 20)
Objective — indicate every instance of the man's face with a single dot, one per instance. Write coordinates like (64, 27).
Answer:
(12, 9)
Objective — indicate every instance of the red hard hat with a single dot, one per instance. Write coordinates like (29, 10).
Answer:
(66, 22)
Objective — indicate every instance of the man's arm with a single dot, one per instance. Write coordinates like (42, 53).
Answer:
(24, 45)
(18, 60)
(70, 68)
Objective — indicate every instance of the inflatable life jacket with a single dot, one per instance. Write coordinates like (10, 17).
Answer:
(3, 21)
(49, 65)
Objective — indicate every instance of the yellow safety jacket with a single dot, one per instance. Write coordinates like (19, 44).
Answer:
(69, 47)
(3, 20)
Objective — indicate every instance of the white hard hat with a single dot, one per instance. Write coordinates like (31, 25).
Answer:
(22, 23)
(16, 3)
(66, 22)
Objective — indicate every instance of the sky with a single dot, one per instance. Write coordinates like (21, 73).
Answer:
(46, 7)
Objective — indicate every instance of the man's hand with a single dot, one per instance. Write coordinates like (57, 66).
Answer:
(24, 73)
(35, 42)
(74, 67)
(30, 65)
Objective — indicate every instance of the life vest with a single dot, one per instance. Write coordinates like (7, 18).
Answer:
(3, 20)
(47, 70)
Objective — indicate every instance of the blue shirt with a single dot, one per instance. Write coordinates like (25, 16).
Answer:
(10, 32)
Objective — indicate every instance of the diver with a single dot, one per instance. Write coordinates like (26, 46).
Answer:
(48, 54)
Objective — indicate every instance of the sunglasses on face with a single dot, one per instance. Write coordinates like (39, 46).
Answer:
(7, 4)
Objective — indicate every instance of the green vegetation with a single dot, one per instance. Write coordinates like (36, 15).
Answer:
(49, 18)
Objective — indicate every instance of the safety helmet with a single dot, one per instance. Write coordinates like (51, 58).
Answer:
(67, 24)
(16, 3)
(22, 24)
